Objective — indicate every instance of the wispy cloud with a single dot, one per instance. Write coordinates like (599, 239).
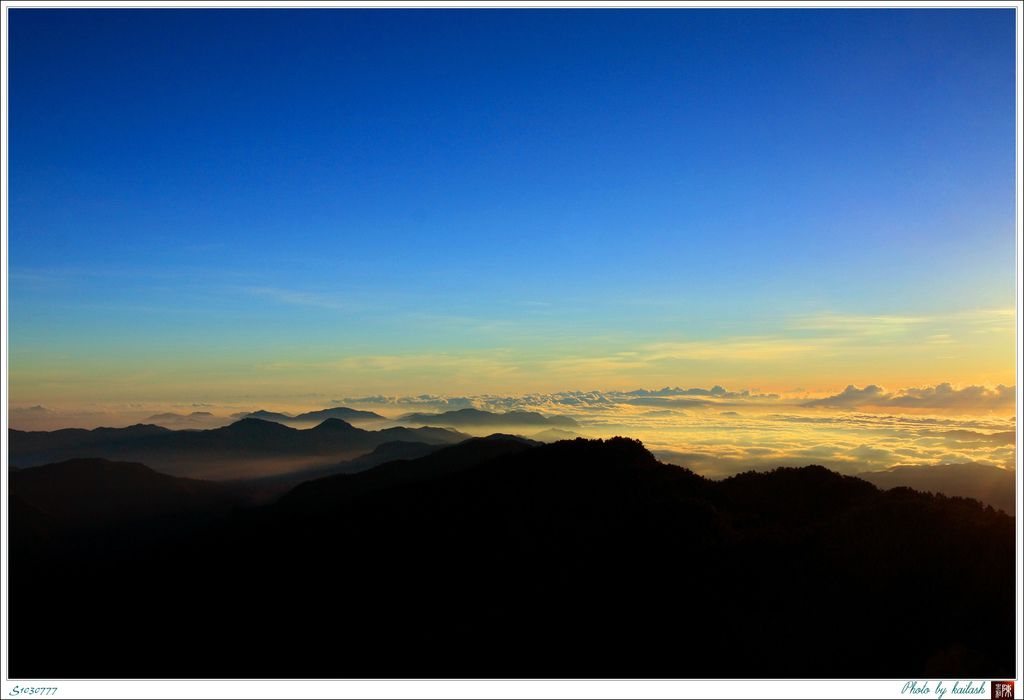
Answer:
(747, 348)
(878, 326)
(858, 324)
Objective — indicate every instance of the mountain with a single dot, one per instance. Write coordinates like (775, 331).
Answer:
(389, 452)
(329, 492)
(266, 489)
(988, 484)
(23, 442)
(188, 421)
(554, 435)
(462, 455)
(581, 558)
(91, 507)
(350, 415)
(475, 418)
(529, 442)
(347, 414)
(248, 448)
(180, 416)
(424, 434)
(88, 492)
(265, 415)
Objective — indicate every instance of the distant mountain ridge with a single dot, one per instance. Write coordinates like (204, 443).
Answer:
(473, 417)
(554, 435)
(349, 415)
(986, 483)
(244, 449)
(172, 415)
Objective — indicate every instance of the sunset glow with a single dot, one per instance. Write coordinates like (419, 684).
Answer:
(614, 232)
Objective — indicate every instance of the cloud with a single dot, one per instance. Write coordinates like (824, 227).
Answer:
(878, 326)
(870, 453)
(421, 401)
(669, 399)
(666, 401)
(859, 324)
(744, 348)
(944, 395)
(940, 397)
(895, 421)
(851, 396)
(1006, 437)
(716, 391)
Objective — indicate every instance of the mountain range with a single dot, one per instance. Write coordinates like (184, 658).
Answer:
(504, 558)
(984, 482)
(248, 448)
(349, 415)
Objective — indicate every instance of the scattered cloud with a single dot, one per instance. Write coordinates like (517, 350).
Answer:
(728, 430)
(858, 324)
(745, 348)
(715, 391)
(942, 397)
(851, 396)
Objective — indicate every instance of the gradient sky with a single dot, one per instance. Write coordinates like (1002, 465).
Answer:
(215, 203)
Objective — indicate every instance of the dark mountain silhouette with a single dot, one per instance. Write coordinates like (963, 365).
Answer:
(177, 416)
(23, 442)
(196, 420)
(468, 453)
(347, 414)
(266, 489)
(472, 417)
(101, 508)
(988, 484)
(87, 492)
(31, 529)
(328, 493)
(245, 449)
(389, 452)
(515, 438)
(264, 415)
(422, 434)
(494, 558)
(350, 415)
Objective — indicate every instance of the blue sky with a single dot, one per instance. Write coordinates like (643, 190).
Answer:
(253, 188)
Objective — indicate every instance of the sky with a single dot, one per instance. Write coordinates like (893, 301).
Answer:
(242, 207)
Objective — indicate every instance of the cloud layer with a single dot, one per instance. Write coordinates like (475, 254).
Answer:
(942, 397)
(715, 430)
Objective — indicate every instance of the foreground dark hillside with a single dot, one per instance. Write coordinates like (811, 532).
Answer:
(503, 559)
